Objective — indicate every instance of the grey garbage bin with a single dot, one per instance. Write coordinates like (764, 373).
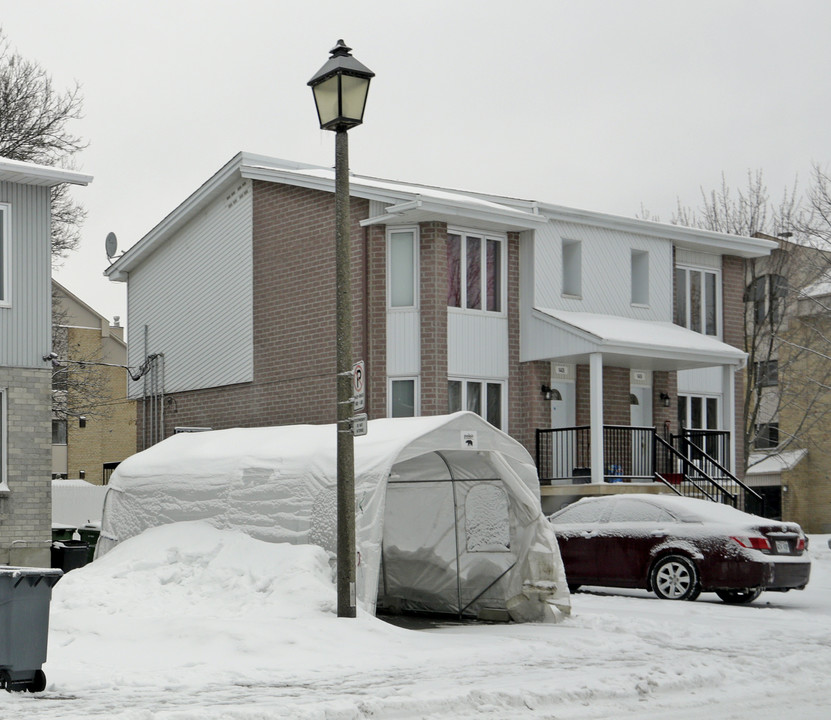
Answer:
(25, 594)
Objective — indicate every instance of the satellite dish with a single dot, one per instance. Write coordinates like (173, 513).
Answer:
(111, 245)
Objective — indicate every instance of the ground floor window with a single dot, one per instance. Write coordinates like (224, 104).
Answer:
(484, 397)
(402, 397)
(698, 412)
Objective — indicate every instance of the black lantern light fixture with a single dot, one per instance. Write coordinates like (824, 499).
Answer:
(665, 399)
(340, 88)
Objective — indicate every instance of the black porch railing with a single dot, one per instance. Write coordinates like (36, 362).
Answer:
(691, 464)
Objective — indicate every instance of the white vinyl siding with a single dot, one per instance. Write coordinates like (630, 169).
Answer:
(4, 253)
(197, 288)
(25, 311)
(605, 261)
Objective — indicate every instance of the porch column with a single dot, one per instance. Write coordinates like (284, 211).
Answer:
(728, 393)
(596, 415)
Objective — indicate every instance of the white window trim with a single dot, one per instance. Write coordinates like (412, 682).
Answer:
(5, 254)
(575, 283)
(719, 299)
(484, 381)
(503, 271)
(416, 269)
(4, 440)
(416, 393)
(704, 397)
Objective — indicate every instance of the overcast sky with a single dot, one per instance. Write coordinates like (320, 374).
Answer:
(595, 104)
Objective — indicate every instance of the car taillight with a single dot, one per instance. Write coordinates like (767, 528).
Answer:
(800, 545)
(752, 542)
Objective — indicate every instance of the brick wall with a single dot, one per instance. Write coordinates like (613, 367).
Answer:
(433, 328)
(26, 510)
(732, 279)
(616, 409)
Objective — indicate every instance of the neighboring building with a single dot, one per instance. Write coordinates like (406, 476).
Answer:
(533, 315)
(93, 421)
(25, 378)
(787, 428)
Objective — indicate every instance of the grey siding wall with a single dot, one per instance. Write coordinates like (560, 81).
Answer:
(25, 326)
(194, 294)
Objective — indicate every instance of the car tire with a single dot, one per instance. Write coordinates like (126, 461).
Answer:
(739, 597)
(675, 577)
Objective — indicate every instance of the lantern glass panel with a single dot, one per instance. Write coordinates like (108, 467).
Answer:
(354, 91)
(326, 99)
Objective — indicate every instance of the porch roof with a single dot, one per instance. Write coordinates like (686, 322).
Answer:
(626, 342)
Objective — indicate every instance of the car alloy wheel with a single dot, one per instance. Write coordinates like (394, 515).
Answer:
(675, 577)
(739, 597)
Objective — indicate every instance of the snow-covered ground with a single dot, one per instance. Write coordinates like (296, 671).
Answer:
(186, 622)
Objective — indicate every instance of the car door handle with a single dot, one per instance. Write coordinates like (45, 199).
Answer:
(588, 533)
(659, 533)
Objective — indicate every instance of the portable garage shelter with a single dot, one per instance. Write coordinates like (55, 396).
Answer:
(448, 514)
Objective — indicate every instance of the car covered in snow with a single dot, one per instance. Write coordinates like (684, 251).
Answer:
(679, 547)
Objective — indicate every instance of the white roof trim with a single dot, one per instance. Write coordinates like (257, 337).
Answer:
(666, 345)
(27, 173)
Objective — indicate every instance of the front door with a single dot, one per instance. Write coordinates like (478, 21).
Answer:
(563, 415)
(640, 416)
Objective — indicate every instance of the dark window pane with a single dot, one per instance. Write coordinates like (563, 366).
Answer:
(454, 271)
(681, 297)
(403, 398)
(695, 301)
(454, 395)
(712, 413)
(474, 273)
(59, 432)
(682, 411)
(474, 397)
(710, 309)
(695, 413)
(494, 416)
(494, 260)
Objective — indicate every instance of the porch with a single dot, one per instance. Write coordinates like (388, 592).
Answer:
(693, 463)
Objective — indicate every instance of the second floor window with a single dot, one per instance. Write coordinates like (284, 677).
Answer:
(3, 254)
(697, 300)
(474, 272)
(767, 293)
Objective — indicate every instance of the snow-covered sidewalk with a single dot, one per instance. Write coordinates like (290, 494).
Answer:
(187, 622)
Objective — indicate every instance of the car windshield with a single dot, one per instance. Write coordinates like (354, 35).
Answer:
(580, 512)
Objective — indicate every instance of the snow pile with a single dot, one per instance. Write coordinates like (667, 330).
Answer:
(188, 622)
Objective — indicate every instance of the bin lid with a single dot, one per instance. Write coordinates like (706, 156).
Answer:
(30, 571)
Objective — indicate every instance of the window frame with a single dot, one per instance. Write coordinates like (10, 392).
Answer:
(572, 268)
(416, 268)
(502, 278)
(718, 299)
(483, 396)
(5, 250)
(764, 438)
(416, 394)
(686, 403)
(639, 279)
(767, 373)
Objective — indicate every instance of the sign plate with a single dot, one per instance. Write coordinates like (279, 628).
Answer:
(470, 440)
(359, 426)
(358, 386)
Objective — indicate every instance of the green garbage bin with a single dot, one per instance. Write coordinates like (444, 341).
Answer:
(62, 532)
(25, 594)
(90, 534)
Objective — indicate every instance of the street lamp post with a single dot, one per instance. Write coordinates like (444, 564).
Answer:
(340, 88)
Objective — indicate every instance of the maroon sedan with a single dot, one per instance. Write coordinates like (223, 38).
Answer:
(679, 547)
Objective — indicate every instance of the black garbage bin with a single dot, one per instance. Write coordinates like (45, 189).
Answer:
(69, 554)
(25, 594)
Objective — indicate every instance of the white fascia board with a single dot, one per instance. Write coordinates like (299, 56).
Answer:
(681, 236)
(120, 269)
(27, 173)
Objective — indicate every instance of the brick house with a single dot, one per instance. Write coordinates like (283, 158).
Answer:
(534, 315)
(25, 378)
(96, 425)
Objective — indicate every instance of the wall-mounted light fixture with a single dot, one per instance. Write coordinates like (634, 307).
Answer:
(546, 392)
(82, 421)
(665, 399)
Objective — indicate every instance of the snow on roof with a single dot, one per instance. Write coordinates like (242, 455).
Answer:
(760, 464)
(28, 173)
(614, 333)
